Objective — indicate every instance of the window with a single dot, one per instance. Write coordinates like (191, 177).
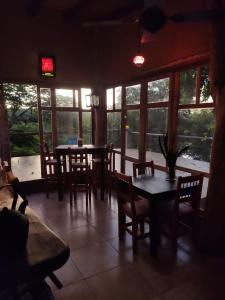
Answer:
(195, 128)
(133, 94)
(195, 122)
(87, 127)
(156, 127)
(188, 86)
(158, 90)
(64, 97)
(114, 129)
(47, 127)
(114, 98)
(21, 104)
(132, 133)
(45, 94)
(67, 127)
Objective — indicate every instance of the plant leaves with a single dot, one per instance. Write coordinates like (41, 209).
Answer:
(180, 152)
(161, 148)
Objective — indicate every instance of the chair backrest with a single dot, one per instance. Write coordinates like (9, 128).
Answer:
(125, 193)
(45, 150)
(109, 156)
(143, 168)
(78, 159)
(189, 189)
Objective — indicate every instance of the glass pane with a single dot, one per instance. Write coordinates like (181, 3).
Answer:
(45, 95)
(67, 127)
(118, 97)
(114, 129)
(109, 98)
(87, 127)
(76, 98)
(158, 90)
(47, 127)
(187, 86)
(156, 127)
(64, 97)
(84, 92)
(195, 128)
(205, 86)
(21, 104)
(132, 133)
(133, 94)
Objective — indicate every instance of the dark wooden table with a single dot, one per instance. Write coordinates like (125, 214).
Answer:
(156, 189)
(62, 150)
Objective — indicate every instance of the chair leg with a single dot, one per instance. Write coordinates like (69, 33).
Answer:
(134, 236)
(121, 225)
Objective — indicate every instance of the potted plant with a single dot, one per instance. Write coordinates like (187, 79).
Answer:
(170, 155)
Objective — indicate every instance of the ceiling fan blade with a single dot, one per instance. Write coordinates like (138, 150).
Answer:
(153, 18)
(122, 12)
(199, 16)
(102, 23)
(147, 37)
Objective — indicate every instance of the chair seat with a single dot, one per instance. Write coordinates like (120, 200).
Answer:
(141, 206)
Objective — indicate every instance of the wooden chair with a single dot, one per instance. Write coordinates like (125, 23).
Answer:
(143, 168)
(130, 205)
(184, 214)
(79, 173)
(50, 166)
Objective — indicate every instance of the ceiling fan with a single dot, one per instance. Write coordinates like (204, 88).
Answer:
(152, 17)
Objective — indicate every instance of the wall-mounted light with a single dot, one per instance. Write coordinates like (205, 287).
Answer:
(138, 60)
(92, 100)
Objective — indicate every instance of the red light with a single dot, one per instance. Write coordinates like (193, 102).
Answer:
(138, 60)
(47, 64)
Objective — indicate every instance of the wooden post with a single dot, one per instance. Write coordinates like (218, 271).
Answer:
(212, 238)
(4, 132)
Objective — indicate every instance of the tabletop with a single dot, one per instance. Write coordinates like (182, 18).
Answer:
(154, 186)
(87, 146)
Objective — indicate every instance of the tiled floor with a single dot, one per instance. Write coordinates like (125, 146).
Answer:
(102, 268)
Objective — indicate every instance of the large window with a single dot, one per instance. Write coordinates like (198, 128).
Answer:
(195, 120)
(195, 128)
(114, 129)
(156, 127)
(132, 133)
(157, 118)
(114, 106)
(133, 94)
(21, 104)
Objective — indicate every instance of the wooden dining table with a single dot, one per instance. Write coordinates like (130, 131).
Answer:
(156, 189)
(62, 151)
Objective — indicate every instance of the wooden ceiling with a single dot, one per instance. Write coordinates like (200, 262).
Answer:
(87, 10)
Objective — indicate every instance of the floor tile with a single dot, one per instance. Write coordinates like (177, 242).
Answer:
(77, 291)
(123, 282)
(67, 274)
(95, 259)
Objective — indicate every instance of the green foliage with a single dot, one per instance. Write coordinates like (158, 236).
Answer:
(158, 90)
(21, 103)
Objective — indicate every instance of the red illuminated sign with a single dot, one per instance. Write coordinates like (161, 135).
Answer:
(47, 64)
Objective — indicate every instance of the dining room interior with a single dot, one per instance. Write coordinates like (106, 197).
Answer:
(112, 128)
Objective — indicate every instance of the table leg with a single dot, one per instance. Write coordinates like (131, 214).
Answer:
(154, 228)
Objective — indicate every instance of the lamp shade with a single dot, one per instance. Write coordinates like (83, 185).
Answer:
(138, 60)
